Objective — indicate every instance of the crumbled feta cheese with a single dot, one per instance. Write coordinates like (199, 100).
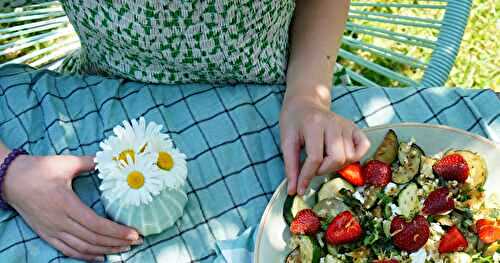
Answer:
(391, 188)
(361, 189)
(358, 196)
(453, 183)
(418, 256)
(329, 259)
(319, 237)
(496, 257)
(437, 229)
(395, 209)
(460, 257)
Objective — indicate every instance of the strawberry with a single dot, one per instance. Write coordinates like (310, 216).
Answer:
(305, 223)
(487, 230)
(377, 173)
(452, 167)
(452, 241)
(386, 261)
(409, 236)
(439, 201)
(352, 173)
(343, 229)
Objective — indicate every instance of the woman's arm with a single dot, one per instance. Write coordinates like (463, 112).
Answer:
(316, 32)
(39, 189)
(306, 119)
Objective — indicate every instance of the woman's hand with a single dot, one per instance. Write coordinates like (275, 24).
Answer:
(330, 140)
(39, 189)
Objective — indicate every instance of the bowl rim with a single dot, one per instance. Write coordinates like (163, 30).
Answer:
(265, 217)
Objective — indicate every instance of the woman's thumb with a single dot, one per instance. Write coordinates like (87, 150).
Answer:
(84, 164)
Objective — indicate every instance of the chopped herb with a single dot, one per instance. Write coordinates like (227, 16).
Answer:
(463, 197)
(480, 189)
(478, 258)
(431, 219)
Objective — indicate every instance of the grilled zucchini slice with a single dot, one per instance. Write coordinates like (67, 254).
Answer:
(387, 151)
(409, 156)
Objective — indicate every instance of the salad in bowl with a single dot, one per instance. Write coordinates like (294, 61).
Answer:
(400, 205)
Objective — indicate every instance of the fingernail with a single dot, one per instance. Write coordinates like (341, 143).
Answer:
(138, 241)
(133, 236)
(124, 249)
(300, 191)
(99, 259)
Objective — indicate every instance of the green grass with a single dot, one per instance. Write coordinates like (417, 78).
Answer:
(477, 64)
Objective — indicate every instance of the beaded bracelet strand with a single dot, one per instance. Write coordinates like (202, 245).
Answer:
(3, 171)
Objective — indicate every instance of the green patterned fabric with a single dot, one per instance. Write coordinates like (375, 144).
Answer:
(178, 41)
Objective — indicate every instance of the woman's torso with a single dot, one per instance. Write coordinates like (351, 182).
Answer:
(180, 41)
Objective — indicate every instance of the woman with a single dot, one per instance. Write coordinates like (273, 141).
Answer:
(171, 42)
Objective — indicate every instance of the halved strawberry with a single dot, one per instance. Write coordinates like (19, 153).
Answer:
(377, 173)
(352, 173)
(305, 223)
(488, 230)
(409, 236)
(386, 261)
(439, 201)
(452, 167)
(452, 241)
(343, 229)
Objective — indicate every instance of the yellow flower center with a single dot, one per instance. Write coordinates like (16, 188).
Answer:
(165, 161)
(123, 156)
(135, 180)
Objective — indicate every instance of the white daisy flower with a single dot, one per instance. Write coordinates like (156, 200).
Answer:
(170, 160)
(129, 140)
(134, 181)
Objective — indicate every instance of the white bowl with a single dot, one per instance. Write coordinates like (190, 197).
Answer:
(273, 231)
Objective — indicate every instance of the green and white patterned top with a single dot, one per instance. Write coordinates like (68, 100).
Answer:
(181, 41)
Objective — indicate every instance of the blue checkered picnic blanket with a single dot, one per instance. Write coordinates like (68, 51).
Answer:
(230, 135)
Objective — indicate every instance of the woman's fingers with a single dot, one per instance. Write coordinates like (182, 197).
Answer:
(84, 247)
(86, 217)
(290, 146)
(84, 164)
(314, 144)
(349, 151)
(73, 253)
(361, 143)
(335, 155)
(76, 229)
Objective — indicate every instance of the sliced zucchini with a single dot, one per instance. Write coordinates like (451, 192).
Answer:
(387, 211)
(386, 226)
(492, 248)
(308, 249)
(293, 256)
(293, 205)
(331, 249)
(331, 188)
(387, 151)
(329, 208)
(371, 195)
(409, 163)
(477, 169)
(408, 202)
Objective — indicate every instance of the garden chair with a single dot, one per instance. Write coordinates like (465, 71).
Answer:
(384, 40)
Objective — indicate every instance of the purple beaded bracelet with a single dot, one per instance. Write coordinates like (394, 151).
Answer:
(3, 170)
